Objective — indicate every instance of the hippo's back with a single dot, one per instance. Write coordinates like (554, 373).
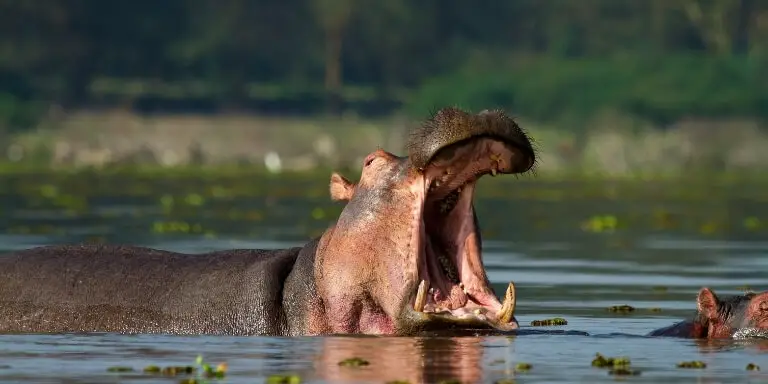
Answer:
(104, 288)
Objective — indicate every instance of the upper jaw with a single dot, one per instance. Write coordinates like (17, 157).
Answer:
(461, 164)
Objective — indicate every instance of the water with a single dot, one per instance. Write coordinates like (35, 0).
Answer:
(555, 240)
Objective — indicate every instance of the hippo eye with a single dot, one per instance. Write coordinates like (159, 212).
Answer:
(369, 160)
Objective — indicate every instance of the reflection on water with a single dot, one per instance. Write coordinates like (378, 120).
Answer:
(665, 246)
(416, 360)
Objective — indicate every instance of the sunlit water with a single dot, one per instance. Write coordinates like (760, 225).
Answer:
(561, 268)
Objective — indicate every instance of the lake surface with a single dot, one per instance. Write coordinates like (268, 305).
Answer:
(573, 249)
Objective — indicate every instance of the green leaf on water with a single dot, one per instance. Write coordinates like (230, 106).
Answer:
(152, 369)
(549, 322)
(622, 308)
(284, 379)
(119, 369)
(692, 364)
(523, 367)
(354, 362)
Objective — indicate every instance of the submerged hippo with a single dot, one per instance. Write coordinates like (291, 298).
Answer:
(403, 257)
(738, 316)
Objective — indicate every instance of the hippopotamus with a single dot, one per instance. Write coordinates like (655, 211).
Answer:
(738, 316)
(404, 256)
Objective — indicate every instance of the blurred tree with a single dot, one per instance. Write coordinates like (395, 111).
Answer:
(333, 16)
(292, 56)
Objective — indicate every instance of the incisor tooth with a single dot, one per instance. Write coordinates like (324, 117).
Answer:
(507, 311)
(421, 296)
(493, 172)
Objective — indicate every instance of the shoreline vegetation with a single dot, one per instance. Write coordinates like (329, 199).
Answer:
(608, 145)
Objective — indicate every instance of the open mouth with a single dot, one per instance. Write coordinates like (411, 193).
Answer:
(452, 277)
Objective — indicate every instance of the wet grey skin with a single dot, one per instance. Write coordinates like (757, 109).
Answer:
(132, 289)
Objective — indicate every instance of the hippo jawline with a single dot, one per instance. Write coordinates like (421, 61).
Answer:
(453, 284)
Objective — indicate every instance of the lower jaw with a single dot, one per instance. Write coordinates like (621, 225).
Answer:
(471, 314)
(431, 322)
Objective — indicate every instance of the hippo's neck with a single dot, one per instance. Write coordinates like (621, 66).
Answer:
(300, 299)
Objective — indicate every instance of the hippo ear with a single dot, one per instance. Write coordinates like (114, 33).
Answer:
(341, 188)
(707, 303)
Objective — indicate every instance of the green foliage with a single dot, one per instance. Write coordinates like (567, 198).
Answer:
(660, 90)
(656, 59)
(16, 114)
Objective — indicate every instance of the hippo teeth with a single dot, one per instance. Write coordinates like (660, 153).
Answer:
(421, 296)
(507, 311)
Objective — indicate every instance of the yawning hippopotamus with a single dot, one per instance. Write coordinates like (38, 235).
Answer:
(739, 316)
(403, 257)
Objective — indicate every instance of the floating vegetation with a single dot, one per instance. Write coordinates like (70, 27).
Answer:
(171, 201)
(692, 364)
(120, 369)
(505, 381)
(752, 223)
(555, 321)
(152, 369)
(179, 370)
(753, 367)
(176, 227)
(203, 369)
(194, 199)
(659, 288)
(624, 372)
(523, 367)
(621, 308)
(602, 223)
(284, 379)
(354, 362)
(709, 227)
(449, 381)
(664, 220)
(210, 372)
(601, 361)
(398, 382)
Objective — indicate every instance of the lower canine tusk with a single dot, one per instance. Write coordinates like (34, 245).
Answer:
(507, 312)
(421, 296)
